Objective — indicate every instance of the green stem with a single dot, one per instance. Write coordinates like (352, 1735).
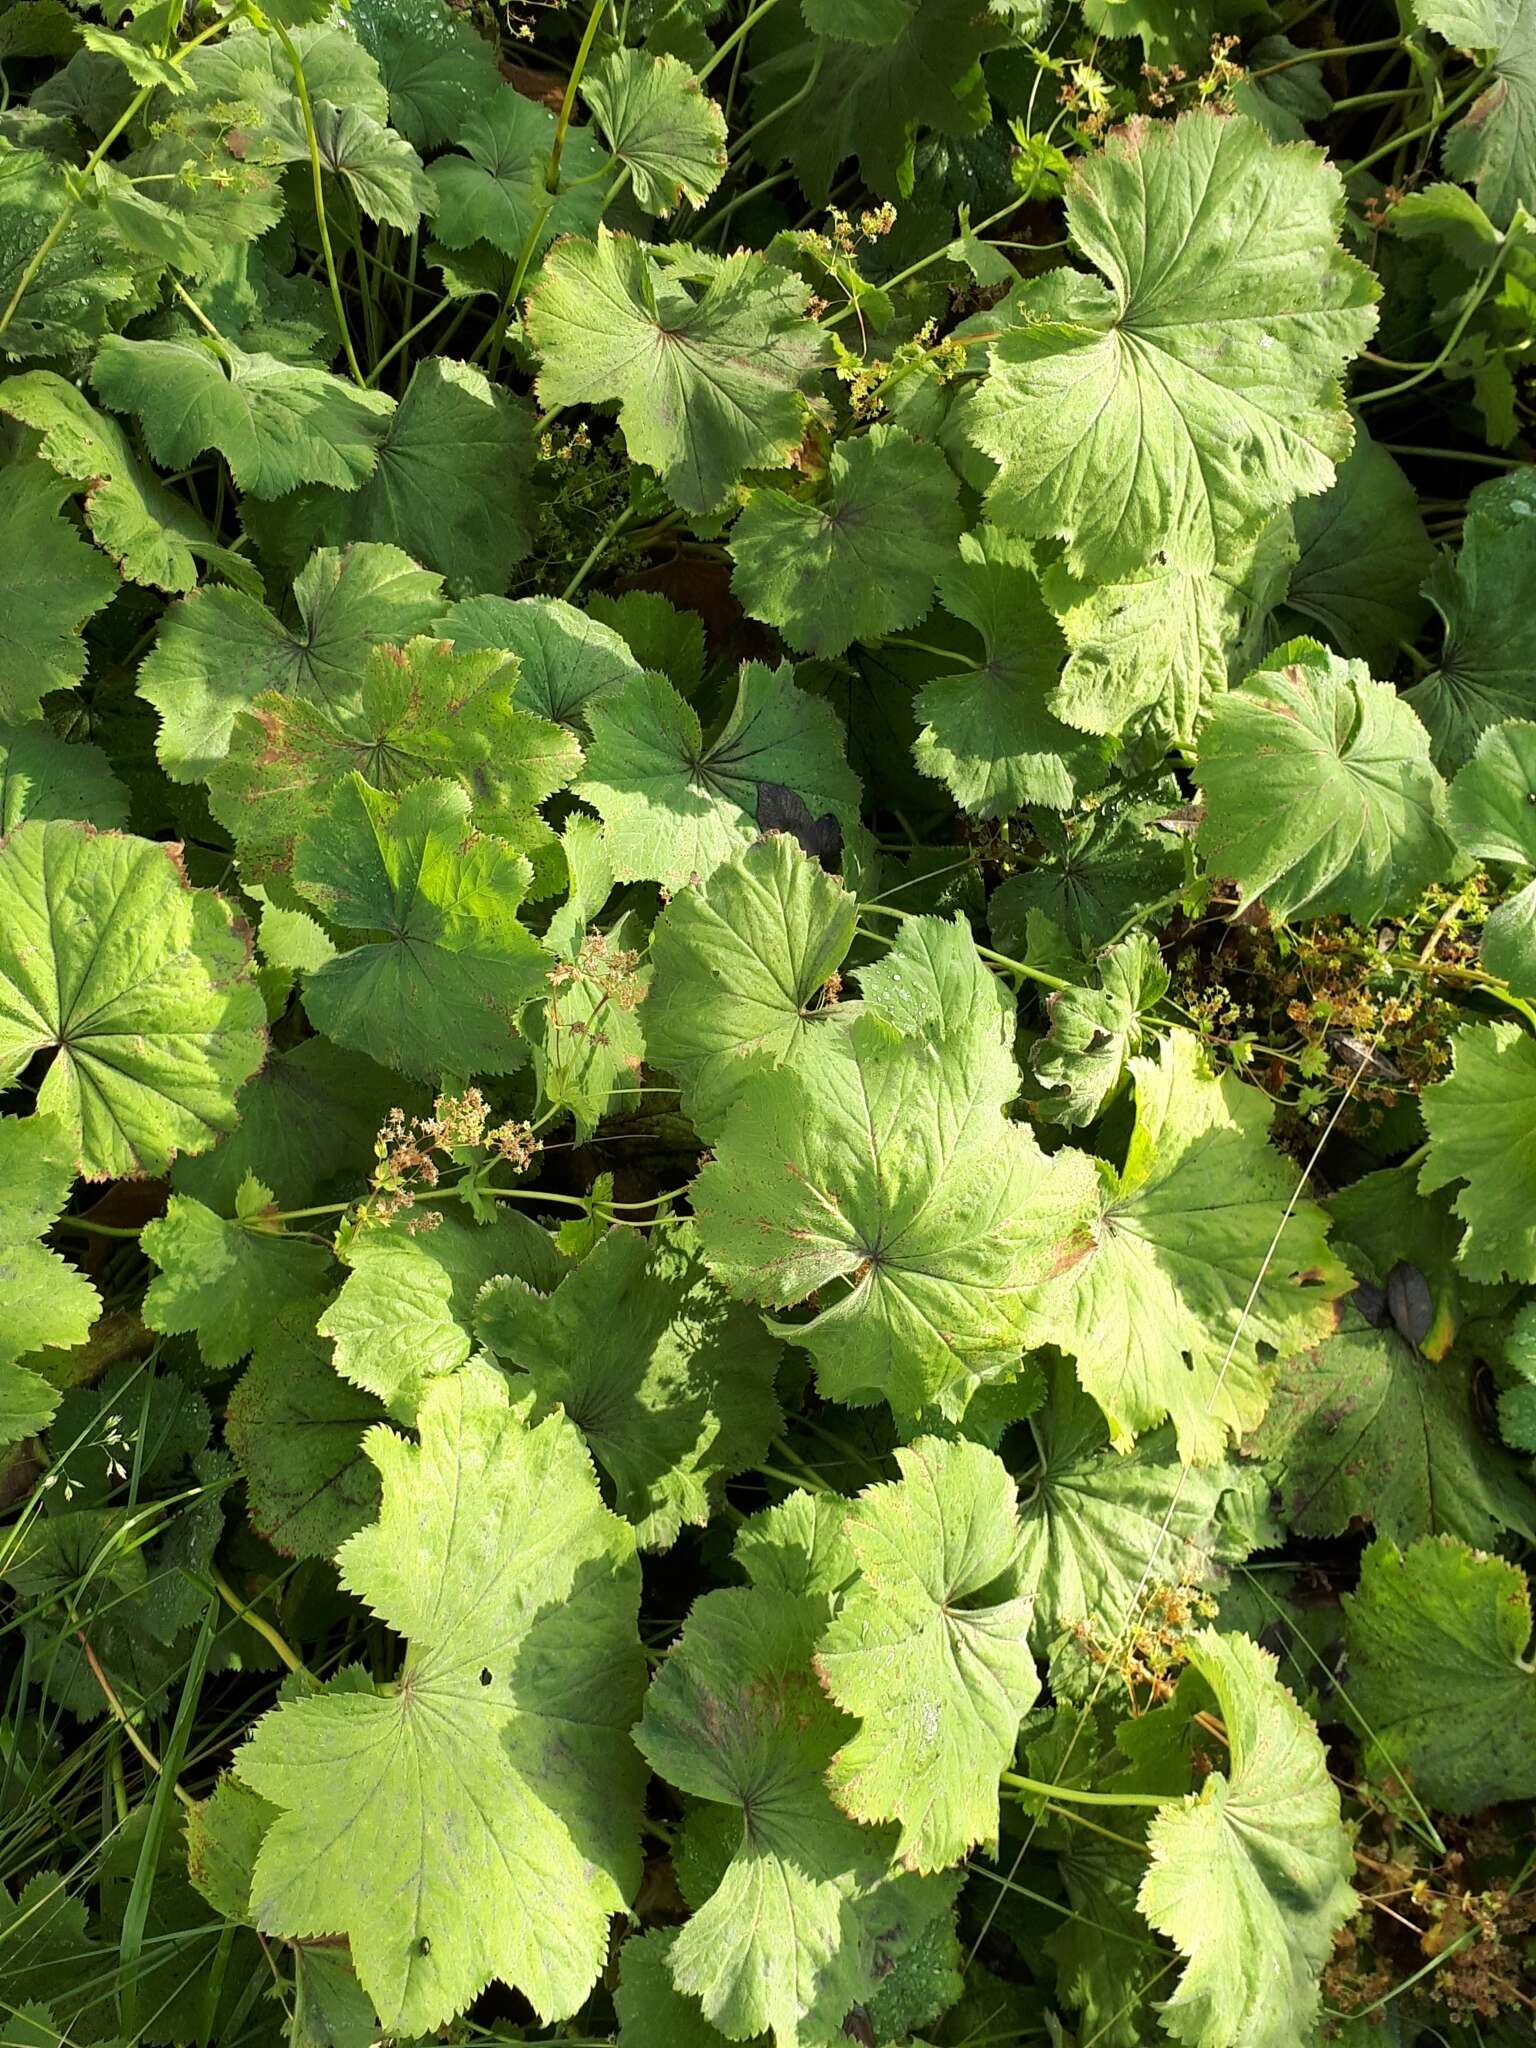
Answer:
(71, 205)
(1429, 369)
(1452, 455)
(1036, 1788)
(453, 1194)
(495, 335)
(1021, 967)
(301, 86)
(135, 1922)
(1375, 99)
(119, 1712)
(364, 285)
(923, 647)
(1323, 56)
(198, 314)
(935, 256)
(1397, 142)
(405, 341)
(595, 553)
(744, 142)
(1036, 974)
(568, 104)
(651, 1201)
(253, 1620)
(1422, 664)
(408, 304)
(722, 214)
(736, 36)
(97, 1229)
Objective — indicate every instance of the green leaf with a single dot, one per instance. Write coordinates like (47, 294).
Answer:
(735, 1717)
(1445, 213)
(1100, 871)
(1170, 31)
(659, 636)
(254, 304)
(138, 985)
(930, 1651)
(50, 1954)
(1490, 147)
(502, 1759)
(436, 65)
(452, 968)
(1481, 1121)
(39, 28)
(1150, 648)
(141, 64)
(871, 101)
(378, 170)
(1319, 791)
(191, 1971)
(296, 1429)
(1383, 1221)
(424, 710)
(742, 964)
(277, 425)
(670, 1383)
(312, 1114)
(564, 657)
(675, 808)
(648, 2003)
(81, 283)
(858, 562)
(1486, 596)
(1366, 1429)
(1102, 1527)
(153, 230)
(1110, 1969)
(44, 776)
(403, 1319)
(1094, 1031)
(1492, 810)
(862, 21)
(930, 984)
(218, 650)
(1291, 97)
(51, 582)
(153, 536)
(1363, 556)
(588, 1035)
(162, 1420)
(707, 387)
(222, 1278)
(1438, 1639)
(880, 1174)
(48, 1305)
(987, 733)
(248, 66)
(659, 125)
(223, 1834)
(450, 486)
(1518, 1399)
(1250, 1877)
(1192, 1260)
(1170, 411)
(212, 188)
(1493, 817)
(496, 191)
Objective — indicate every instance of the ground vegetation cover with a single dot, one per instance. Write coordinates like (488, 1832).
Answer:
(768, 1023)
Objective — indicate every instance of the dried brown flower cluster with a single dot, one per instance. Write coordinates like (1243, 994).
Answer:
(412, 1152)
